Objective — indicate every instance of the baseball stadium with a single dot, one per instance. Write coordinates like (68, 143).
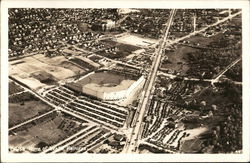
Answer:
(108, 85)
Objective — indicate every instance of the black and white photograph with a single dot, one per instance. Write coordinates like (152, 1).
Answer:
(124, 80)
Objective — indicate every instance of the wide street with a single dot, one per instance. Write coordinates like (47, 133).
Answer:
(132, 142)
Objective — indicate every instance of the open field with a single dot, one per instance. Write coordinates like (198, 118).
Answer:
(25, 106)
(50, 130)
(44, 77)
(33, 71)
(14, 88)
(84, 63)
(117, 50)
(191, 146)
(203, 41)
(71, 66)
(178, 59)
(136, 40)
(235, 73)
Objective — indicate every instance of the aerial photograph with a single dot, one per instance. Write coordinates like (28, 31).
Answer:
(125, 80)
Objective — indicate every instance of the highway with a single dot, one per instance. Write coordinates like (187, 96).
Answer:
(131, 144)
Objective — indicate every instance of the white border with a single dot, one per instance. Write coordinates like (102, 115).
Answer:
(7, 157)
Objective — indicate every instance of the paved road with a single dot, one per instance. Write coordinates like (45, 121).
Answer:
(111, 60)
(68, 141)
(18, 93)
(204, 29)
(37, 117)
(76, 114)
(226, 69)
(28, 121)
(74, 139)
(133, 139)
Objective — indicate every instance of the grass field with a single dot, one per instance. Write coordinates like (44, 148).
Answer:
(14, 88)
(106, 82)
(49, 131)
(191, 146)
(44, 77)
(102, 78)
(204, 41)
(177, 60)
(25, 106)
(122, 51)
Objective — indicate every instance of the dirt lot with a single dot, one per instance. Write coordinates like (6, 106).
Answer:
(71, 66)
(136, 40)
(56, 68)
(44, 77)
(25, 106)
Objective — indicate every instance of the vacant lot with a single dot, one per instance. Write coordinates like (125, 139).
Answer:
(83, 64)
(68, 65)
(136, 40)
(49, 131)
(25, 106)
(204, 41)
(32, 71)
(177, 59)
(14, 88)
(44, 77)
(117, 50)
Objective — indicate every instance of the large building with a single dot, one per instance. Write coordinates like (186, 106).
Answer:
(108, 86)
(104, 25)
